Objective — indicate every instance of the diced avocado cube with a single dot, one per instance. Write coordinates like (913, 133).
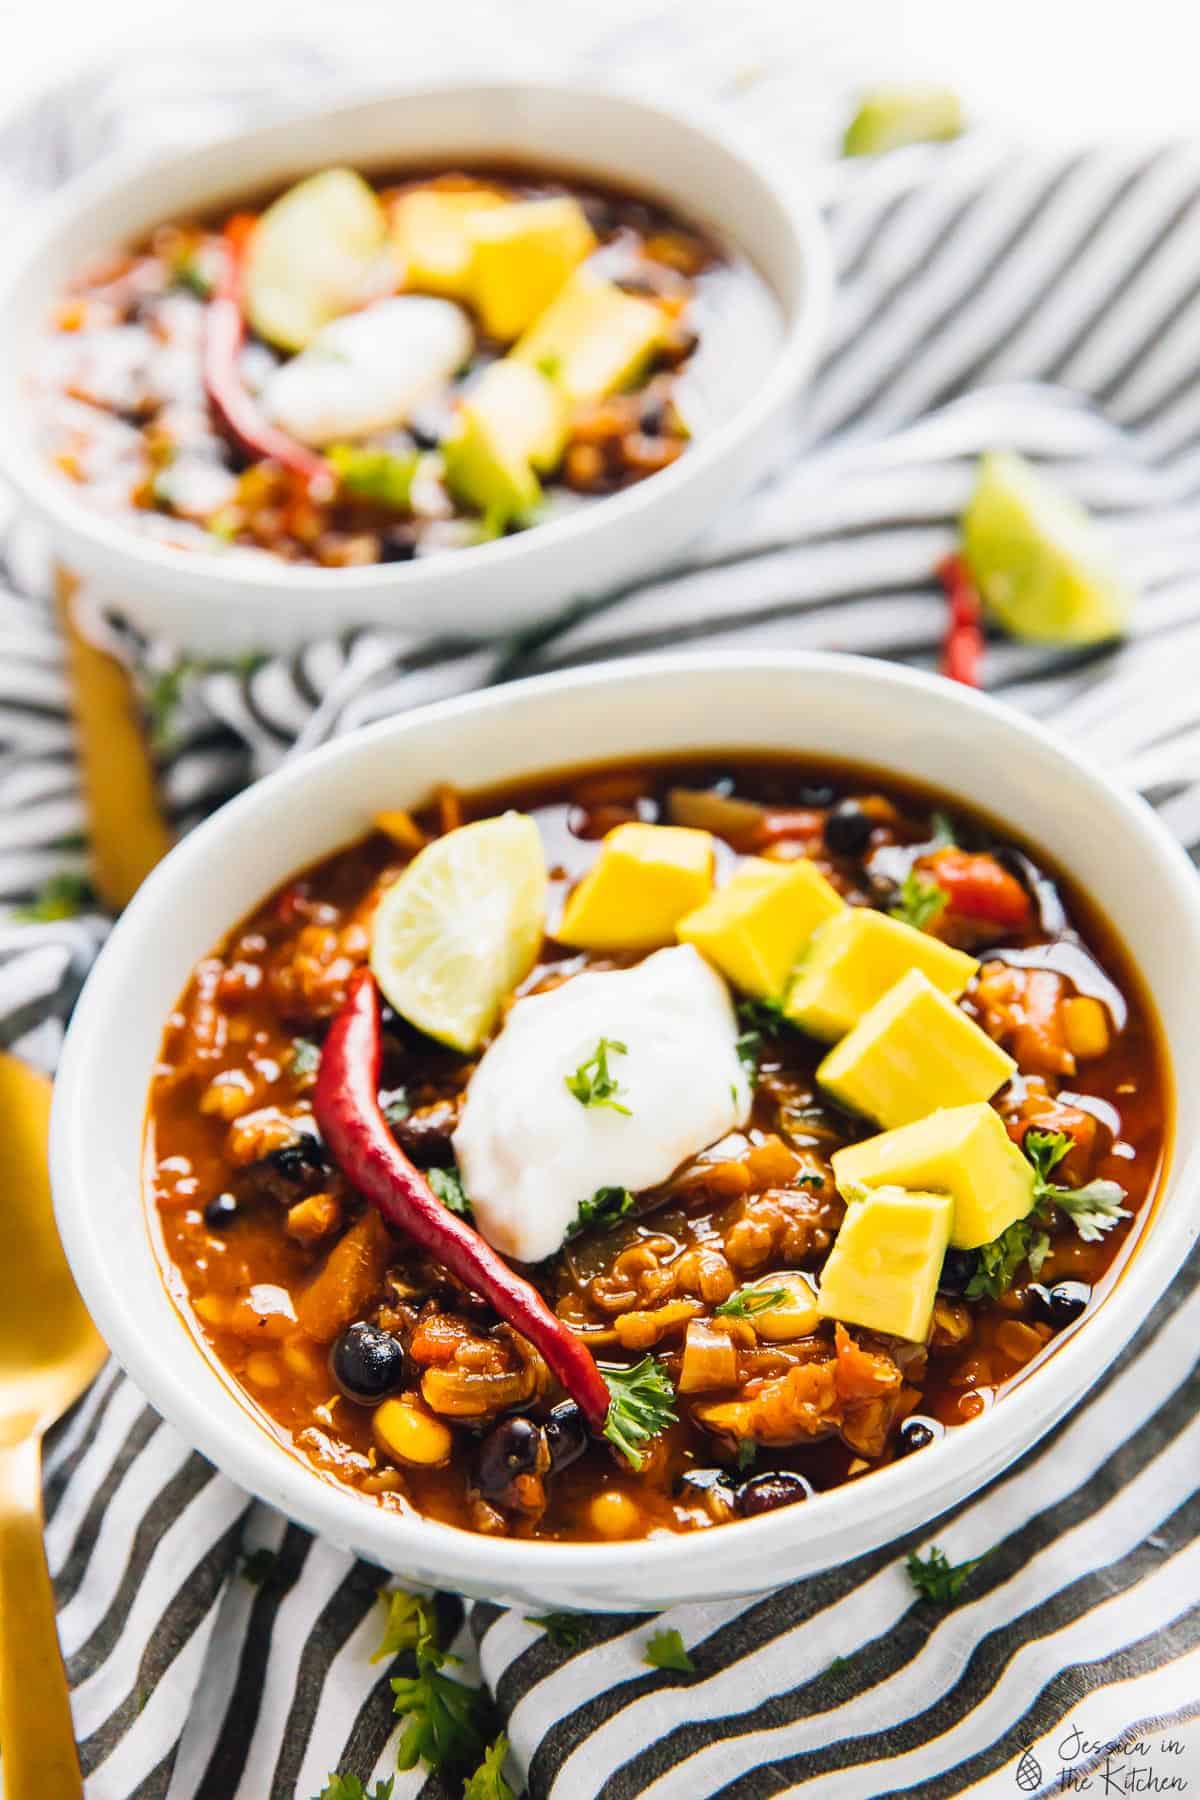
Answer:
(521, 254)
(963, 1151)
(754, 928)
(913, 1052)
(1044, 568)
(885, 1263)
(510, 423)
(890, 117)
(593, 337)
(430, 229)
(311, 256)
(853, 961)
(643, 882)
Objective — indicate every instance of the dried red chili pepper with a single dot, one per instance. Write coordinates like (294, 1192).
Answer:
(224, 333)
(962, 648)
(346, 1107)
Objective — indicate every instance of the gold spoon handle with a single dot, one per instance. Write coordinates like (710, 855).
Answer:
(37, 1738)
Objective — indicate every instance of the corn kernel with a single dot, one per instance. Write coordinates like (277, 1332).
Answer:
(214, 1309)
(407, 1433)
(1085, 1026)
(796, 1314)
(263, 1371)
(301, 1360)
(613, 1514)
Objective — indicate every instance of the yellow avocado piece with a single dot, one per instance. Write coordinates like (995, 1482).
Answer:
(593, 337)
(754, 928)
(643, 882)
(311, 256)
(430, 229)
(510, 423)
(885, 1263)
(853, 961)
(963, 1151)
(912, 1052)
(521, 254)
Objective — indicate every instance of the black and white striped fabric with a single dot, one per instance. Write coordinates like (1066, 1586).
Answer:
(988, 298)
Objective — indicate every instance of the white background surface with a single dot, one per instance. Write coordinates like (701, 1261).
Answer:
(1049, 68)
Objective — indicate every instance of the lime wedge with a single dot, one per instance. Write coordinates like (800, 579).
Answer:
(461, 927)
(890, 117)
(312, 256)
(1043, 570)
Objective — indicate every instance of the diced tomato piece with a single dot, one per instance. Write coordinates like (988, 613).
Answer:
(980, 888)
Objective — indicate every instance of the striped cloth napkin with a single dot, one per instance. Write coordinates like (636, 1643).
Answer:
(989, 297)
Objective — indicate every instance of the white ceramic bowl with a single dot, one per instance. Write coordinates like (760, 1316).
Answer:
(221, 605)
(843, 707)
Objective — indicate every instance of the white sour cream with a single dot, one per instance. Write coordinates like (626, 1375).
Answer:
(370, 370)
(530, 1152)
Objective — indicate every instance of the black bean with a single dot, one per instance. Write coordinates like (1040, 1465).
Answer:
(763, 1493)
(221, 1212)
(295, 1161)
(958, 1266)
(917, 1433)
(514, 1447)
(848, 829)
(1062, 1304)
(367, 1363)
(566, 1435)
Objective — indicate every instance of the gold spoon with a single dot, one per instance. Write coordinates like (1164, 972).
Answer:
(49, 1352)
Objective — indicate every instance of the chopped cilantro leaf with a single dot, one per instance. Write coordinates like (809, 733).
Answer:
(747, 1450)
(641, 1405)
(593, 1084)
(395, 1105)
(997, 1263)
(920, 901)
(749, 1049)
(941, 830)
(935, 1578)
(446, 1723)
(664, 1650)
(1093, 1209)
(258, 1566)
(761, 1015)
(606, 1206)
(410, 1624)
(304, 1059)
(750, 1300)
(62, 897)
(447, 1185)
(565, 1630)
(488, 1783)
(349, 1787)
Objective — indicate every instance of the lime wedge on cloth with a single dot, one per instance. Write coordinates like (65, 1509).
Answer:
(890, 117)
(461, 927)
(312, 256)
(1042, 567)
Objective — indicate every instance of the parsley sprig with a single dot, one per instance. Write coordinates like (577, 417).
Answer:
(593, 1083)
(447, 1185)
(565, 1630)
(488, 1783)
(1093, 1209)
(349, 1787)
(606, 1206)
(445, 1721)
(936, 1578)
(641, 1405)
(920, 901)
(748, 1301)
(664, 1650)
(62, 897)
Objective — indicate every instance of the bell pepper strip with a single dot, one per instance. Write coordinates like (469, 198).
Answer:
(224, 334)
(356, 1134)
(978, 887)
(786, 822)
(962, 647)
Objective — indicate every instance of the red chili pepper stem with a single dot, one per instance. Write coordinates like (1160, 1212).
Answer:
(962, 647)
(224, 334)
(346, 1107)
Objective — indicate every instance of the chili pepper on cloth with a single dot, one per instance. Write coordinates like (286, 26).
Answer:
(962, 648)
(347, 1110)
(224, 334)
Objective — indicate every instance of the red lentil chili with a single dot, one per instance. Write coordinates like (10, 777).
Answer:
(405, 1358)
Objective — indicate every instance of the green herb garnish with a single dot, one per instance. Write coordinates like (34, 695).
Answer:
(549, 365)
(445, 1721)
(748, 1301)
(664, 1650)
(941, 830)
(62, 897)
(258, 1566)
(935, 1578)
(349, 1787)
(837, 1665)
(606, 1206)
(1093, 1209)
(761, 1016)
(997, 1263)
(641, 1404)
(411, 1621)
(395, 1105)
(447, 1185)
(304, 1059)
(593, 1084)
(488, 1783)
(747, 1451)
(749, 1050)
(379, 475)
(920, 901)
(566, 1631)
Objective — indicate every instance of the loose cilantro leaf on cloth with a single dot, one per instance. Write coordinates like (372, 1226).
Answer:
(349, 1787)
(606, 1206)
(919, 902)
(593, 1084)
(748, 1301)
(935, 1578)
(445, 1722)
(62, 897)
(565, 1630)
(258, 1566)
(641, 1404)
(664, 1650)
(410, 1624)
(488, 1783)
(447, 1185)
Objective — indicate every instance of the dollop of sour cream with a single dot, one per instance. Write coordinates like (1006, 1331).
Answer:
(530, 1151)
(370, 370)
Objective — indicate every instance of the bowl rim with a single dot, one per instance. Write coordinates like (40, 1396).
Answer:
(804, 329)
(255, 1458)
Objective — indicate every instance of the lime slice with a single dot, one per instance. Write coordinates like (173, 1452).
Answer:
(461, 927)
(890, 117)
(312, 256)
(1041, 566)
